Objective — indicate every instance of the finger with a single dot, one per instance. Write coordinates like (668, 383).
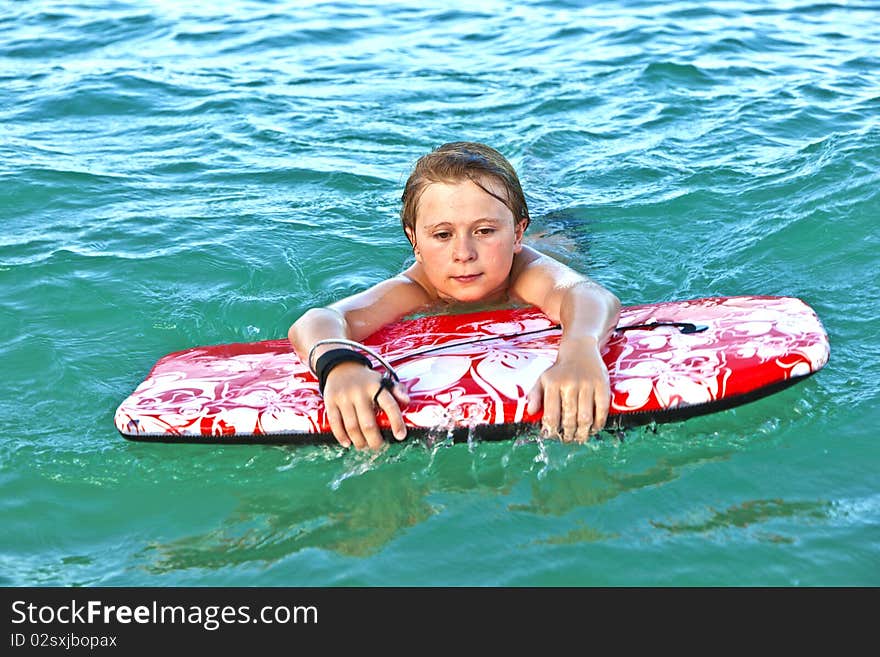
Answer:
(337, 427)
(353, 428)
(550, 423)
(603, 404)
(535, 398)
(585, 414)
(400, 394)
(569, 396)
(388, 403)
(369, 427)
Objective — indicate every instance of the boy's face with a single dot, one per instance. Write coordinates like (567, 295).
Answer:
(465, 240)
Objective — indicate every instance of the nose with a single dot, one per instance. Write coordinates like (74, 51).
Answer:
(463, 249)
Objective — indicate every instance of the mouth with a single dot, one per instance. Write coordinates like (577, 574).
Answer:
(466, 279)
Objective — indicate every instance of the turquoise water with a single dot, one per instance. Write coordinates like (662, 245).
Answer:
(186, 173)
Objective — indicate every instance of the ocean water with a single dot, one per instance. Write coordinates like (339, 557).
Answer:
(175, 174)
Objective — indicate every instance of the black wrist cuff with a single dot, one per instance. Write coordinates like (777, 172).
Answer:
(330, 359)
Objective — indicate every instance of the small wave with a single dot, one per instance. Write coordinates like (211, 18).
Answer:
(62, 35)
(677, 74)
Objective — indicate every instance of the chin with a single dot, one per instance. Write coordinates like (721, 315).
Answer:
(473, 297)
(458, 297)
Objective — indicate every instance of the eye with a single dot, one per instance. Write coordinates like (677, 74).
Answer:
(442, 235)
(485, 230)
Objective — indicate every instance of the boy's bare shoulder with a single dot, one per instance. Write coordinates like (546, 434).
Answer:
(530, 259)
(399, 293)
(522, 260)
(381, 304)
(535, 275)
(417, 280)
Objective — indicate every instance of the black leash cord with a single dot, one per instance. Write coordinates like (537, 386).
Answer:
(684, 327)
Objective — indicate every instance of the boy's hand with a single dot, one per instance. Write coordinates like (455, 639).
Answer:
(348, 400)
(575, 393)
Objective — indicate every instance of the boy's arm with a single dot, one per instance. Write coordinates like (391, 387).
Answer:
(350, 387)
(575, 391)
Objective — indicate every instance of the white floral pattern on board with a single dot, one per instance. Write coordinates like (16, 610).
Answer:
(262, 388)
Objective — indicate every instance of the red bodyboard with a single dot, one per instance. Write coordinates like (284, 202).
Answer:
(482, 365)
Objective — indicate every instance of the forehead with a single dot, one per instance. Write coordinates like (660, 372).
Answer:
(462, 200)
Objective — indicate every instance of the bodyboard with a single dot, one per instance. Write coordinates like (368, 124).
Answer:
(468, 374)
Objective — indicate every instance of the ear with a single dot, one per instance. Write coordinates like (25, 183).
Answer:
(518, 231)
(412, 240)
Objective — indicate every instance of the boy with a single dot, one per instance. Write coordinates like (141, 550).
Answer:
(465, 214)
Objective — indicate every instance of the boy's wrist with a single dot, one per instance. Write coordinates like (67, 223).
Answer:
(331, 358)
(578, 345)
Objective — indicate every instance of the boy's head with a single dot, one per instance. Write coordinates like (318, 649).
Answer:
(456, 162)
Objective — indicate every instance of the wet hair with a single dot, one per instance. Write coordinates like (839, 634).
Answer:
(458, 161)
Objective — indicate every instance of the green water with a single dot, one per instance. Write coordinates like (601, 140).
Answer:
(182, 173)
